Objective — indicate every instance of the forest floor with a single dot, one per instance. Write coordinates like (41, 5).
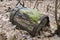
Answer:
(8, 31)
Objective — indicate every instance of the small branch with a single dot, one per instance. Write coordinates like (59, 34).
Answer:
(56, 2)
(23, 3)
(30, 3)
(19, 1)
(35, 3)
(47, 8)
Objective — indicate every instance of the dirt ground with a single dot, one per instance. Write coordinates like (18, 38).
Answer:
(8, 31)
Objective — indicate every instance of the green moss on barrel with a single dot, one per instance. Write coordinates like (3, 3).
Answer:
(32, 13)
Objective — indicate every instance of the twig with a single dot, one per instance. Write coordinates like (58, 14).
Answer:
(19, 1)
(35, 3)
(47, 8)
(56, 2)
